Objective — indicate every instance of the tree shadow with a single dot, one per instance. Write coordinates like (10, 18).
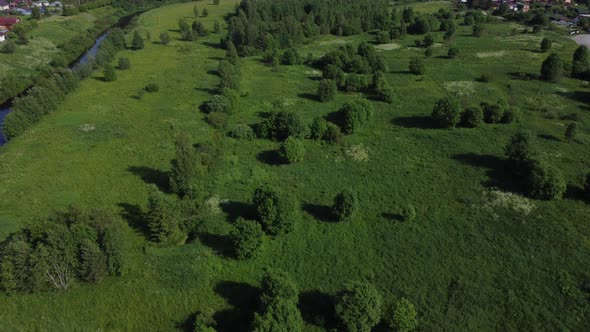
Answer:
(317, 308)
(270, 157)
(336, 118)
(549, 137)
(210, 91)
(135, 218)
(216, 58)
(214, 45)
(221, 244)
(418, 121)
(152, 176)
(522, 76)
(234, 210)
(580, 96)
(576, 193)
(309, 96)
(320, 212)
(401, 72)
(213, 72)
(392, 216)
(501, 174)
(243, 298)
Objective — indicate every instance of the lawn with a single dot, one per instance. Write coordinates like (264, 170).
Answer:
(470, 261)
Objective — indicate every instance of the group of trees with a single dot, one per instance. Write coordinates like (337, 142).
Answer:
(191, 32)
(70, 246)
(554, 68)
(447, 113)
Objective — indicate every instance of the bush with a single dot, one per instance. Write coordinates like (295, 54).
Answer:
(278, 212)
(545, 44)
(545, 182)
(492, 113)
(355, 83)
(428, 40)
(8, 47)
(333, 133)
(519, 149)
(283, 124)
(217, 119)
(453, 52)
(152, 87)
(345, 205)
(416, 66)
(552, 68)
(477, 30)
(428, 52)
(292, 150)
(326, 90)
(511, 115)
(355, 113)
(137, 42)
(408, 213)
(447, 112)
(246, 238)
(124, 64)
(242, 131)
(291, 57)
(278, 301)
(318, 128)
(159, 215)
(383, 90)
(109, 73)
(383, 37)
(164, 38)
(404, 316)
(472, 117)
(219, 104)
(358, 307)
(571, 131)
(183, 170)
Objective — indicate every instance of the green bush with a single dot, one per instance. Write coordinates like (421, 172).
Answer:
(416, 66)
(404, 316)
(291, 57)
(124, 64)
(183, 169)
(277, 211)
(152, 87)
(217, 119)
(571, 131)
(278, 301)
(492, 113)
(453, 52)
(355, 82)
(242, 131)
(545, 44)
(246, 238)
(472, 117)
(109, 73)
(545, 182)
(408, 213)
(318, 128)
(447, 112)
(137, 43)
(552, 68)
(326, 90)
(333, 133)
(511, 115)
(219, 104)
(428, 52)
(358, 307)
(282, 124)
(586, 188)
(345, 205)
(519, 149)
(8, 47)
(292, 150)
(164, 38)
(428, 40)
(355, 114)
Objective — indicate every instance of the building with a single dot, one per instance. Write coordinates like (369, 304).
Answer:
(3, 34)
(7, 23)
(4, 5)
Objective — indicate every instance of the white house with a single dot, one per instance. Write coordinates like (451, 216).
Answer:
(4, 5)
(3, 36)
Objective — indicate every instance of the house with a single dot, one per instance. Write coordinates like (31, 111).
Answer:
(8, 22)
(4, 5)
(22, 11)
(3, 34)
(56, 4)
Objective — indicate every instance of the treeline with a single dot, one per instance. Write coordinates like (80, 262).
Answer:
(71, 10)
(54, 253)
(260, 25)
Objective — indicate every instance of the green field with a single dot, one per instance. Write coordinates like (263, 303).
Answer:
(470, 261)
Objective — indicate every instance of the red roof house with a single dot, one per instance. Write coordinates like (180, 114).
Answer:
(8, 22)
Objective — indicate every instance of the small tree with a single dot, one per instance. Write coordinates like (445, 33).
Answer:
(292, 150)
(472, 117)
(358, 307)
(247, 238)
(545, 182)
(109, 73)
(453, 52)
(183, 172)
(36, 13)
(408, 213)
(492, 113)
(8, 47)
(546, 44)
(416, 66)
(326, 90)
(404, 316)
(571, 131)
(277, 211)
(318, 128)
(159, 215)
(278, 300)
(205, 12)
(428, 40)
(216, 2)
(164, 38)
(345, 205)
(216, 27)
(519, 148)
(232, 53)
(478, 30)
(581, 62)
(355, 114)
(447, 112)
(137, 42)
(124, 64)
(552, 68)
(196, 11)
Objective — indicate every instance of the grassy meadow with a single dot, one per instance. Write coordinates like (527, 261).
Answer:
(474, 259)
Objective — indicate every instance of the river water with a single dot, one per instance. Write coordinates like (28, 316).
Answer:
(90, 54)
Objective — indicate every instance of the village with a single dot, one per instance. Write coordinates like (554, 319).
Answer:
(12, 11)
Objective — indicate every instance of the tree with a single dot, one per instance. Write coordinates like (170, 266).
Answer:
(277, 211)
(358, 307)
(552, 68)
(290, 57)
(114, 244)
(571, 131)
(355, 113)
(428, 40)
(36, 13)
(472, 117)
(216, 27)
(478, 30)
(183, 172)
(219, 103)
(382, 88)
(196, 11)
(205, 12)
(160, 218)
(109, 72)
(345, 205)
(404, 316)
(318, 128)
(137, 42)
(519, 148)
(7, 276)
(453, 52)
(216, 2)
(164, 38)
(283, 124)
(416, 66)
(246, 238)
(545, 44)
(447, 112)
(581, 62)
(326, 90)
(93, 263)
(493, 113)
(545, 182)
(232, 54)
(278, 300)
(124, 64)
(292, 150)
(8, 47)
(277, 284)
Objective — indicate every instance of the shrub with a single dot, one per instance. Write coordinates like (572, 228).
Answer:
(278, 212)
(428, 52)
(345, 205)
(447, 112)
(124, 64)
(355, 82)
(355, 113)
(137, 42)
(318, 128)
(545, 182)
(472, 117)
(408, 213)
(511, 115)
(478, 30)
(8, 47)
(159, 215)
(545, 44)
(519, 148)
(219, 104)
(453, 52)
(383, 37)
(290, 57)
(164, 38)
(292, 150)
(183, 170)
(383, 90)
(358, 307)
(404, 316)
(552, 68)
(278, 300)
(333, 133)
(326, 90)
(571, 131)
(242, 131)
(217, 119)
(152, 87)
(428, 40)
(283, 124)
(492, 113)
(246, 238)
(232, 96)
(416, 66)
(581, 62)
(109, 73)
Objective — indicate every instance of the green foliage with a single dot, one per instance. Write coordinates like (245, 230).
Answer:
(511, 115)
(36, 13)
(355, 114)
(279, 300)
(355, 83)
(478, 30)
(219, 103)
(382, 89)
(571, 131)
(232, 53)
(345, 205)
(493, 113)
(552, 68)
(277, 211)
(7, 276)
(318, 128)
(203, 323)
(428, 52)
(8, 47)
(242, 131)
(519, 148)
(358, 307)
(453, 52)
(164, 38)
(326, 90)
(160, 217)
(247, 238)
(291, 57)
(472, 117)
(93, 262)
(109, 73)
(408, 213)
(545, 182)
(229, 75)
(586, 187)
(124, 64)
(292, 150)
(447, 112)
(115, 248)
(383, 37)
(205, 12)
(404, 316)
(137, 43)
(199, 29)
(183, 170)
(428, 40)
(333, 133)
(196, 11)
(152, 87)
(283, 124)
(581, 62)
(546, 44)
(217, 120)
(217, 27)
(416, 66)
